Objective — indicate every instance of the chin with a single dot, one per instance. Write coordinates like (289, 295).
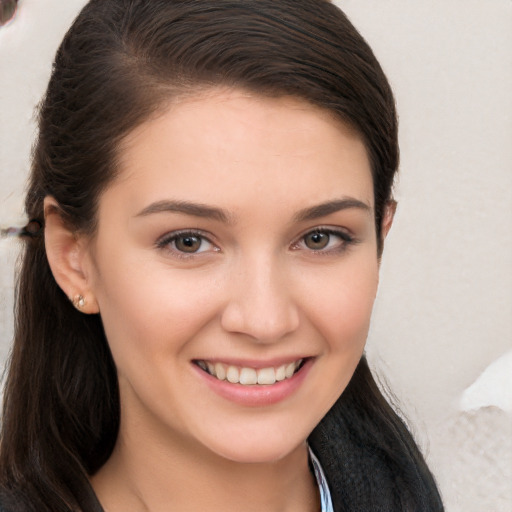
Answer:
(258, 449)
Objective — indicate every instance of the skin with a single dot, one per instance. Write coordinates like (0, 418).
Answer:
(255, 291)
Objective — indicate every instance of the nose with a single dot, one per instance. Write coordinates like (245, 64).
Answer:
(260, 303)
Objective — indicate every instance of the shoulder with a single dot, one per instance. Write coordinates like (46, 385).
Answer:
(362, 476)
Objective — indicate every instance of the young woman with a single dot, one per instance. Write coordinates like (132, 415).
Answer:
(212, 181)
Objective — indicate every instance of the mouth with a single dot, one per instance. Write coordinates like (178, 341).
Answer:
(248, 376)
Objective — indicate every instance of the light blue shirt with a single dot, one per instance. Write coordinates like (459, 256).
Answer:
(325, 494)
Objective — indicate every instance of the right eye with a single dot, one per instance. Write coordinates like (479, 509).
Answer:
(186, 243)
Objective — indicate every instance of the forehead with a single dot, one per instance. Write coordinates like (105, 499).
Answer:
(231, 146)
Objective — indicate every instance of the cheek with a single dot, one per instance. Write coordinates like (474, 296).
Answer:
(149, 308)
(342, 307)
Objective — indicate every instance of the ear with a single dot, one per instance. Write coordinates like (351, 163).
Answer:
(66, 253)
(387, 218)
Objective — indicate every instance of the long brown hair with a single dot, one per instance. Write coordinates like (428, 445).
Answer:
(117, 66)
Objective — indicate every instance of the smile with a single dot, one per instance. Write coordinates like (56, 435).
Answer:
(250, 376)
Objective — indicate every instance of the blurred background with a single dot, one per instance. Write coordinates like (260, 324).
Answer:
(441, 337)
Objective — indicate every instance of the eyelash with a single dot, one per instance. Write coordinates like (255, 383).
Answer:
(167, 241)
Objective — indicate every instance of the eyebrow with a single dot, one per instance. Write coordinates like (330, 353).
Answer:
(187, 208)
(211, 212)
(329, 207)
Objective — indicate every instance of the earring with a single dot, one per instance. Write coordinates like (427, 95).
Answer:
(79, 301)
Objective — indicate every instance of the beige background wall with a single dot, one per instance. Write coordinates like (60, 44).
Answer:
(444, 311)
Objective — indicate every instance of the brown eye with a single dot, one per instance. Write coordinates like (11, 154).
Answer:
(317, 240)
(188, 243)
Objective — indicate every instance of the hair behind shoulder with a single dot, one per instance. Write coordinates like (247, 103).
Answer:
(119, 64)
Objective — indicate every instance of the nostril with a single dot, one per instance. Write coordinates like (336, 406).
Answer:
(7, 10)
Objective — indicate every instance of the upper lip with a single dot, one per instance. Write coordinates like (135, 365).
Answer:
(253, 363)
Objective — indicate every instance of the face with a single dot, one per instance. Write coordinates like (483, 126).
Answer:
(235, 268)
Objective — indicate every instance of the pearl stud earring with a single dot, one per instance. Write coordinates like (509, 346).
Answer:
(79, 301)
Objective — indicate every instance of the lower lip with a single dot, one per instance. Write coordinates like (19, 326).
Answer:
(257, 395)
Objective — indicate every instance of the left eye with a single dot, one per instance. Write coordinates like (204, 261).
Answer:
(187, 243)
(324, 240)
(317, 240)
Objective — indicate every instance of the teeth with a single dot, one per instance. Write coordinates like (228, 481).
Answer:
(233, 375)
(266, 376)
(220, 371)
(281, 373)
(250, 376)
(290, 370)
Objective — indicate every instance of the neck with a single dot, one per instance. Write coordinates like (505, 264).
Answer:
(148, 474)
